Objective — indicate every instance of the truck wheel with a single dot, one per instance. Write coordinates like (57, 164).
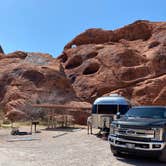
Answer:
(162, 156)
(115, 152)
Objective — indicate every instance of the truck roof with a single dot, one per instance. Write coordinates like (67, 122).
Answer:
(149, 106)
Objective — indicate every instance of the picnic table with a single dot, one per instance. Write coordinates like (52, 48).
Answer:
(61, 114)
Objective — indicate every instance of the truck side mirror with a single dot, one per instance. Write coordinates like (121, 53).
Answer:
(118, 115)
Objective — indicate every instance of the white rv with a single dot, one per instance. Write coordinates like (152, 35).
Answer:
(105, 109)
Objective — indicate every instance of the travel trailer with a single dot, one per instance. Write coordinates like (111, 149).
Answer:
(106, 109)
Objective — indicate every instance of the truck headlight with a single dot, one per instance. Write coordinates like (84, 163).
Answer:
(112, 128)
(158, 134)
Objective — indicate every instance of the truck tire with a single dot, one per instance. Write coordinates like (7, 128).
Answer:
(162, 156)
(115, 152)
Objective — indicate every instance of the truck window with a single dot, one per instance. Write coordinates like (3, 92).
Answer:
(123, 109)
(147, 112)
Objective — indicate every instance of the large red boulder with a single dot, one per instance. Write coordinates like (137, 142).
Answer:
(32, 78)
(130, 60)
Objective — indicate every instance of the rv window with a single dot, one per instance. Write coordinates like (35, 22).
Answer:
(109, 109)
(94, 109)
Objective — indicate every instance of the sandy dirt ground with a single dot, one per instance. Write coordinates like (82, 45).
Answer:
(62, 148)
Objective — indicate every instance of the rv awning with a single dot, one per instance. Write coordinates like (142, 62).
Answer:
(72, 105)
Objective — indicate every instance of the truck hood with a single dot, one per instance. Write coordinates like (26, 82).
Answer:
(140, 122)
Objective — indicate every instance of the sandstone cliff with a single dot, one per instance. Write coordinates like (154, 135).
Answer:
(130, 61)
(32, 78)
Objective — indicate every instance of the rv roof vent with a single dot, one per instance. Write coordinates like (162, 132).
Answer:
(114, 95)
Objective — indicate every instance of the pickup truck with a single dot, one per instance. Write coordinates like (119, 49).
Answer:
(142, 131)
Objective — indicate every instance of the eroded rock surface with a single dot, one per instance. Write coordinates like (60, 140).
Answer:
(32, 78)
(130, 61)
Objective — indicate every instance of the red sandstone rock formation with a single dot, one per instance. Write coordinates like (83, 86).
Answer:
(130, 60)
(30, 78)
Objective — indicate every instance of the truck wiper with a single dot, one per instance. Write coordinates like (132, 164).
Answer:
(131, 116)
(146, 117)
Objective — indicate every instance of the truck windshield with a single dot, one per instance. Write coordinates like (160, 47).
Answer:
(145, 112)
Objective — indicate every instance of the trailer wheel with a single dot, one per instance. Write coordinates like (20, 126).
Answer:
(115, 152)
(162, 156)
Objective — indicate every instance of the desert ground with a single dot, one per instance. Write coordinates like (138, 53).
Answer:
(62, 147)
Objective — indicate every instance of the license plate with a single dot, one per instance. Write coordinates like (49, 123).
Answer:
(130, 146)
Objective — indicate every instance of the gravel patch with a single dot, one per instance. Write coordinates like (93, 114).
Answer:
(63, 148)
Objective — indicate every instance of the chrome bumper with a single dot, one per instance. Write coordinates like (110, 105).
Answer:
(137, 145)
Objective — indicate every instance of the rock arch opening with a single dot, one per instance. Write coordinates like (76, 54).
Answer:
(154, 44)
(91, 55)
(91, 69)
(74, 62)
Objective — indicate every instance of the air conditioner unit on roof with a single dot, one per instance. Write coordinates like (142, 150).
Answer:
(114, 95)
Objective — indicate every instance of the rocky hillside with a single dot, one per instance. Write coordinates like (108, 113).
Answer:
(30, 78)
(130, 61)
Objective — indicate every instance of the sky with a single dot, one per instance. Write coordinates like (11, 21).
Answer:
(47, 25)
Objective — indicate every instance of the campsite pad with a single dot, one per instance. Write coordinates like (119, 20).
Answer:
(22, 139)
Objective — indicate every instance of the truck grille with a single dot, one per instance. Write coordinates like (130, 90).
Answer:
(131, 134)
(134, 138)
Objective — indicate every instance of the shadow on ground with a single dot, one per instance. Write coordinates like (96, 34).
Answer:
(65, 129)
(140, 161)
